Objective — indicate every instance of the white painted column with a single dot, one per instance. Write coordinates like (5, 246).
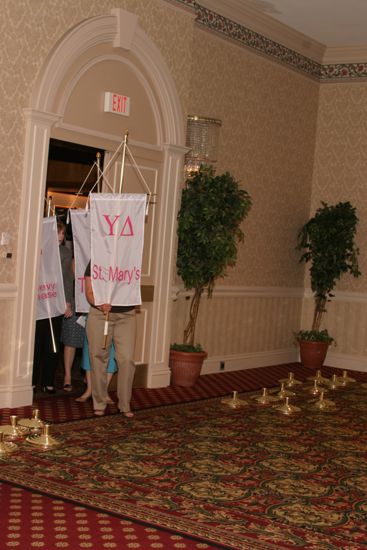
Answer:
(173, 175)
(18, 390)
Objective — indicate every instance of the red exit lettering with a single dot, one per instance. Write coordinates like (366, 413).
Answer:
(117, 103)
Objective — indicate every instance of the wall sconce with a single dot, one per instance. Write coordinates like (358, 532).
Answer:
(202, 135)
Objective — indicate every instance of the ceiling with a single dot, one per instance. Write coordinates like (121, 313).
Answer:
(331, 23)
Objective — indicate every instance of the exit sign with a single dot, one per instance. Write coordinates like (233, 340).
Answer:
(116, 103)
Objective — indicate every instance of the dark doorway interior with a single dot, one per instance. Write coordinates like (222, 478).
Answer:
(69, 165)
(69, 174)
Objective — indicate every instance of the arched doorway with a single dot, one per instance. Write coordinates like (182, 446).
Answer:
(116, 40)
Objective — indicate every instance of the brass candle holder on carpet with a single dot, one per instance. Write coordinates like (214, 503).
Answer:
(323, 404)
(234, 402)
(320, 379)
(13, 430)
(282, 393)
(290, 381)
(44, 440)
(34, 424)
(345, 379)
(6, 447)
(287, 408)
(265, 398)
(334, 384)
(316, 389)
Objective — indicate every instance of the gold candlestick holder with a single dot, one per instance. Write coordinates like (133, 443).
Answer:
(320, 379)
(345, 379)
(290, 381)
(265, 398)
(334, 384)
(234, 402)
(6, 447)
(44, 440)
(34, 424)
(323, 404)
(287, 408)
(316, 389)
(13, 431)
(283, 393)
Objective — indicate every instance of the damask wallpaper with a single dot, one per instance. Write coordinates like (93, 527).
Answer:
(29, 30)
(269, 116)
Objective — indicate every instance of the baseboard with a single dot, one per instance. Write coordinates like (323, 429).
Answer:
(249, 360)
(13, 397)
(346, 362)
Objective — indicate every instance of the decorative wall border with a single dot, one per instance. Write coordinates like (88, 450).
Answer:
(338, 72)
(256, 41)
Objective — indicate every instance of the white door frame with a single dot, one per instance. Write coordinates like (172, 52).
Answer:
(122, 30)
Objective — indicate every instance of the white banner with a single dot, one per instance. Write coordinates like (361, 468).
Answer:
(50, 290)
(117, 237)
(80, 222)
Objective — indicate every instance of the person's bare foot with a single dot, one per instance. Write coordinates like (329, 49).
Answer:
(84, 397)
(128, 414)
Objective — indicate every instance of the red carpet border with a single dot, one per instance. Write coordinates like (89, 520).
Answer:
(63, 407)
(31, 520)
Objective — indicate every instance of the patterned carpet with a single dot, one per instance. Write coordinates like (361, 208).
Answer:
(247, 478)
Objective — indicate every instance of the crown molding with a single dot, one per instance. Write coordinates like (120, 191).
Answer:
(345, 54)
(258, 22)
(271, 38)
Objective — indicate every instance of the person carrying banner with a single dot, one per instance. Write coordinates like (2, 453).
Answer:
(45, 358)
(122, 332)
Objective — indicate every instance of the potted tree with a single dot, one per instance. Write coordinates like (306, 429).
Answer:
(328, 243)
(209, 229)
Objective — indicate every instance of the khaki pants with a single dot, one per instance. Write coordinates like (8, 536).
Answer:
(122, 331)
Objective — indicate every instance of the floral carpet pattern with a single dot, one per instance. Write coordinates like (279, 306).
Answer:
(246, 478)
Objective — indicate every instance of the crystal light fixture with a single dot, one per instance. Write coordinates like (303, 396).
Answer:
(202, 135)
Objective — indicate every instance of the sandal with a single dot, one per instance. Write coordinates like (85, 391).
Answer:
(98, 412)
(128, 414)
(68, 387)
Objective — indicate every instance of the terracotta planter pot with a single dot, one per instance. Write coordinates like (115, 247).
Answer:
(313, 353)
(185, 367)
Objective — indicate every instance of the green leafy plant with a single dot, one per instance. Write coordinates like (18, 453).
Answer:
(187, 348)
(209, 230)
(328, 243)
(314, 336)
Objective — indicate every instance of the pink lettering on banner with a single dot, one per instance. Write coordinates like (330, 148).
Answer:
(116, 274)
(126, 229)
(123, 275)
(81, 284)
(46, 291)
(97, 272)
(46, 295)
(46, 286)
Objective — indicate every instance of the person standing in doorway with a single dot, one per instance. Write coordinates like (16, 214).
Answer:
(122, 332)
(45, 358)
